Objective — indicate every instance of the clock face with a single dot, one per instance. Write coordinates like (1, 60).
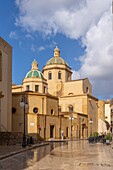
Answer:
(35, 110)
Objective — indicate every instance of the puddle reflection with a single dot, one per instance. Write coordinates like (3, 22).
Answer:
(28, 158)
(38, 153)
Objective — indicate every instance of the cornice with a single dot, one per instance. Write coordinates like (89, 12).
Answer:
(28, 93)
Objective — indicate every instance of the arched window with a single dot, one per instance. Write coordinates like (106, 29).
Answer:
(70, 108)
(52, 112)
(49, 76)
(59, 75)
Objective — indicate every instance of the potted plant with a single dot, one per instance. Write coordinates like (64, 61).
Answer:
(96, 136)
(108, 138)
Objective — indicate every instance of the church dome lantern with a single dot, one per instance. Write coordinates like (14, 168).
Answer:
(34, 65)
(56, 59)
(34, 72)
(56, 52)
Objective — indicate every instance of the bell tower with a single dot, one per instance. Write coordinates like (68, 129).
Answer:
(56, 72)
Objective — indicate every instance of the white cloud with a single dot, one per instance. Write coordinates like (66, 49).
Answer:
(72, 18)
(88, 20)
(13, 35)
(75, 75)
(41, 48)
(97, 64)
(29, 36)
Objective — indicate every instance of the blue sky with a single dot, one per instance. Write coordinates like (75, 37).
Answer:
(82, 29)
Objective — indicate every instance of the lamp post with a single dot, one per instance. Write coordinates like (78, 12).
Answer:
(24, 104)
(91, 122)
(71, 118)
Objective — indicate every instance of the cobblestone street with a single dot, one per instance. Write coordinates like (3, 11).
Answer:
(79, 155)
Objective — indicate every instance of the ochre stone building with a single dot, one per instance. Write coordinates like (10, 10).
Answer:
(104, 120)
(63, 106)
(57, 105)
(5, 86)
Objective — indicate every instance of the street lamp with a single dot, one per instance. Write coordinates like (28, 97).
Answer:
(91, 122)
(71, 118)
(24, 104)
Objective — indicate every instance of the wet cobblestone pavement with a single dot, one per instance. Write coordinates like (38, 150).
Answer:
(26, 157)
(9, 150)
(75, 155)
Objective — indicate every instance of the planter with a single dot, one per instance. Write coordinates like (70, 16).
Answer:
(108, 138)
(107, 141)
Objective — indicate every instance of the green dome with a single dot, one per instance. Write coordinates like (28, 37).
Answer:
(34, 73)
(56, 60)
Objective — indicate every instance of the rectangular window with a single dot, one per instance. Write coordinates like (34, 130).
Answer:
(59, 75)
(36, 88)
(44, 89)
(50, 76)
(27, 88)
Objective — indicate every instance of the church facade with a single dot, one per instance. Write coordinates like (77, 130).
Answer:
(58, 106)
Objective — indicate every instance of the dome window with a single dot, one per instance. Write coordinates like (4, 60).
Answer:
(36, 88)
(27, 88)
(49, 75)
(59, 75)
